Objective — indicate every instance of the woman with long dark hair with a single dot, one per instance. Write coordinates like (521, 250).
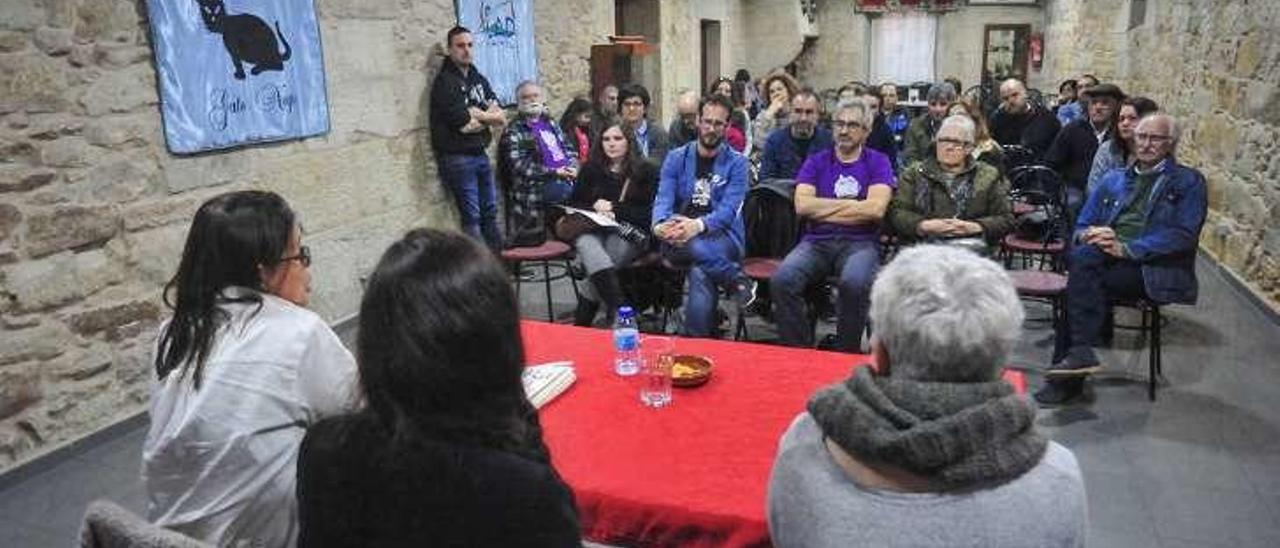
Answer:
(576, 123)
(617, 183)
(242, 369)
(448, 451)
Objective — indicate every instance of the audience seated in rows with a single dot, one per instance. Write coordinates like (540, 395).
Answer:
(633, 105)
(928, 446)
(697, 214)
(1072, 152)
(1073, 110)
(1135, 239)
(538, 165)
(242, 369)
(1018, 121)
(950, 197)
(919, 138)
(843, 192)
(779, 87)
(619, 184)
(1117, 151)
(787, 148)
(448, 450)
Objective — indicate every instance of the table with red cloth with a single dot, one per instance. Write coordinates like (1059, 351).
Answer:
(690, 474)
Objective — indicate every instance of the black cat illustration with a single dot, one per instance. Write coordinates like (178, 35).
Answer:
(247, 38)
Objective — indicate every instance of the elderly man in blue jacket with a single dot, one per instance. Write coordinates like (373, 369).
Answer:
(1136, 238)
(697, 214)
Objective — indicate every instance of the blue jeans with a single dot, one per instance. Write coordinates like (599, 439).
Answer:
(1096, 279)
(810, 263)
(713, 263)
(470, 179)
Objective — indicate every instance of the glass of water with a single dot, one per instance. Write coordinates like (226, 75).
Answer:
(657, 356)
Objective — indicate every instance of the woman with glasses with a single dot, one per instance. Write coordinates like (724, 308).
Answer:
(950, 197)
(242, 369)
(448, 451)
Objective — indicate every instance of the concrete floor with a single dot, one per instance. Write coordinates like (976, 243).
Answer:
(1198, 467)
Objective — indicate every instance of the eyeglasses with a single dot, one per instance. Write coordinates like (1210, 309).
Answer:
(630, 103)
(841, 125)
(303, 257)
(1153, 139)
(947, 141)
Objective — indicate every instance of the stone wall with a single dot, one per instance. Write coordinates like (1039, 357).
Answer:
(93, 210)
(1215, 66)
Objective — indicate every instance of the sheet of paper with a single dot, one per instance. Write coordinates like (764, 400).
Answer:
(595, 217)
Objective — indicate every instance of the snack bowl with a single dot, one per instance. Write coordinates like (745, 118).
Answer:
(688, 370)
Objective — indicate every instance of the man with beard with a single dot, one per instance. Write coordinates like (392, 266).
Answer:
(919, 139)
(697, 214)
(1072, 152)
(1074, 110)
(1018, 122)
(787, 148)
(539, 165)
(843, 191)
(464, 108)
(684, 127)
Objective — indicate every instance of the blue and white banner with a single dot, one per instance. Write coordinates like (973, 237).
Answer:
(505, 52)
(233, 72)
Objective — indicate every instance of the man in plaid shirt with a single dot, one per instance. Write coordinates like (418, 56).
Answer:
(538, 164)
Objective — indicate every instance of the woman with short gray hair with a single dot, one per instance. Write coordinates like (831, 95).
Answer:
(930, 447)
(949, 197)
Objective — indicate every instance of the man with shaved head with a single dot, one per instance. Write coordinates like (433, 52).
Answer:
(1136, 238)
(1019, 121)
(684, 127)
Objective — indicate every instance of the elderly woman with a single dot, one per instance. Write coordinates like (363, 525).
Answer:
(930, 447)
(985, 148)
(779, 87)
(242, 370)
(1117, 153)
(449, 451)
(617, 183)
(949, 197)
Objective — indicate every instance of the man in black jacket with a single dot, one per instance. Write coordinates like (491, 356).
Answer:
(1019, 122)
(463, 109)
(1072, 152)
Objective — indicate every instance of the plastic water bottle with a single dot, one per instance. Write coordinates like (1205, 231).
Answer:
(626, 343)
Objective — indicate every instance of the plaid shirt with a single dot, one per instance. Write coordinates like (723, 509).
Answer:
(525, 172)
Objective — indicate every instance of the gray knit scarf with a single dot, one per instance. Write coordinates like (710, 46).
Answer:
(955, 434)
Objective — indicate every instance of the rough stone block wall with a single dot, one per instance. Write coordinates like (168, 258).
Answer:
(94, 210)
(1215, 66)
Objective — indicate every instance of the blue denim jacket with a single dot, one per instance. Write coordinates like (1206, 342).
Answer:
(675, 189)
(781, 159)
(1166, 248)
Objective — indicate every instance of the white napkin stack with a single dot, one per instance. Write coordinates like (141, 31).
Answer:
(543, 382)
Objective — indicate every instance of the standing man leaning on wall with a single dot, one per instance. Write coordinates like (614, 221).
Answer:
(463, 109)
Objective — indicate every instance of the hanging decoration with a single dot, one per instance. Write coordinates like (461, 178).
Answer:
(890, 6)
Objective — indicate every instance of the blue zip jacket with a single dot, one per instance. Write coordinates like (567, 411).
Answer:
(1166, 248)
(675, 189)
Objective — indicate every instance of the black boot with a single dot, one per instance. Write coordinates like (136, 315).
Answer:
(585, 314)
(609, 290)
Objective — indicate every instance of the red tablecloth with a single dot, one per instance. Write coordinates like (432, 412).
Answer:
(691, 474)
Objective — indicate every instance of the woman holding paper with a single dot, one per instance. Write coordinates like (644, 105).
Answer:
(449, 451)
(617, 183)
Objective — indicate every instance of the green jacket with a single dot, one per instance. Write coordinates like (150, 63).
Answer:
(917, 142)
(989, 206)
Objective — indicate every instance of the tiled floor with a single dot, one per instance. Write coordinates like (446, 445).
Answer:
(1199, 467)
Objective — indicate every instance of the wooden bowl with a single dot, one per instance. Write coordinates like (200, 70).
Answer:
(688, 371)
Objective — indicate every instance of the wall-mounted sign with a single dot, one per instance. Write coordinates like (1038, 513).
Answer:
(233, 72)
(503, 32)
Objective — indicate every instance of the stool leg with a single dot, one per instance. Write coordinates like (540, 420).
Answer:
(546, 280)
(1151, 337)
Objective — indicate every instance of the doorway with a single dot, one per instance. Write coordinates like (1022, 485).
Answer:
(710, 53)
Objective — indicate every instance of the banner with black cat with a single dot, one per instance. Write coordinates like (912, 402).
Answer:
(505, 52)
(233, 72)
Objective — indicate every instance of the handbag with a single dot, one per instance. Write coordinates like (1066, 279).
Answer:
(571, 225)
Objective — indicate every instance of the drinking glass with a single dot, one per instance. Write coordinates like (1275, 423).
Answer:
(657, 357)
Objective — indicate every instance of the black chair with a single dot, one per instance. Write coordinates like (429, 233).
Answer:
(1150, 327)
(1039, 201)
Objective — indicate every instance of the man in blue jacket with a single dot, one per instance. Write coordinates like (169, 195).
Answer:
(787, 148)
(1136, 238)
(697, 214)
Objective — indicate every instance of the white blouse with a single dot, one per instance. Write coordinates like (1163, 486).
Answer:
(219, 462)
